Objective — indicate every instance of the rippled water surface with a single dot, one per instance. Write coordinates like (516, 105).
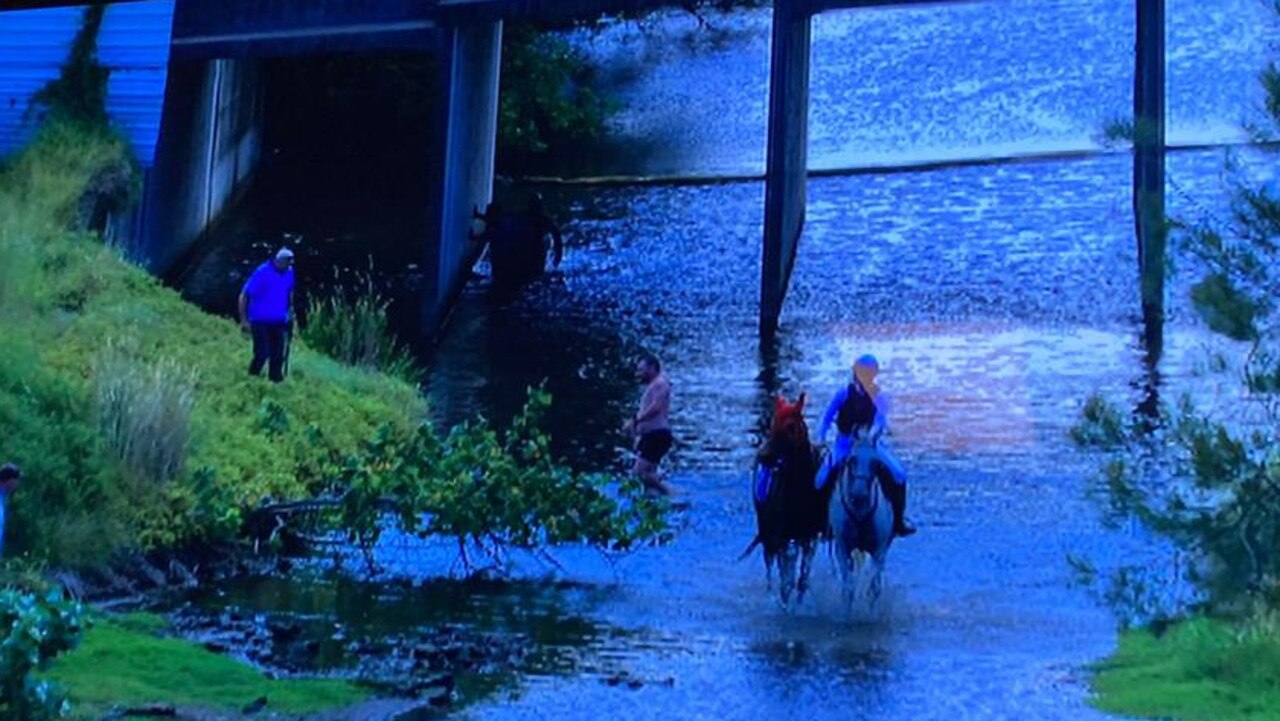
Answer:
(893, 85)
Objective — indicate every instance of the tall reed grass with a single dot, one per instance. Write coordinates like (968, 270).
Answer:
(351, 326)
(144, 412)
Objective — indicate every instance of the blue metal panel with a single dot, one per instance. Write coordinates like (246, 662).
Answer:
(204, 29)
(133, 44)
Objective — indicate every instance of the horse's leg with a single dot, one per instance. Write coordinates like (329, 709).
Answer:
(877, 571)
(768, 570)
(839, 553)
(806, 567)
(844, 549)
(786, 573)
(845, 553)
(884, 532)
(853, 586)
(868, 574)
(876, 585)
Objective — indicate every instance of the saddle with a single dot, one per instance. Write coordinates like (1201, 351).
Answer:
(764, 481)
(879, 471)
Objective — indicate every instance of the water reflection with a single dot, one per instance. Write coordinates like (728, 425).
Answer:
(1148, 383)
(896, 85)
(553, 616)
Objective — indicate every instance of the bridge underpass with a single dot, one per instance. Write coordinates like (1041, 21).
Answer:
(210, 137)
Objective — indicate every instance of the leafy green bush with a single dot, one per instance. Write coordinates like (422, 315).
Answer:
(33, 630)
(490, 490)
(70, 505)
(547, 104)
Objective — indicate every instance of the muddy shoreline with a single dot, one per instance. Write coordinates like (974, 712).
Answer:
(412, 674)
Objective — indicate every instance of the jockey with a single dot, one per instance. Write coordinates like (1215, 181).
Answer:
(859, 412)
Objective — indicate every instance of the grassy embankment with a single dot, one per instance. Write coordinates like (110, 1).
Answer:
(129, 409)
(1198, 670)
(138, 429)
(124, 662)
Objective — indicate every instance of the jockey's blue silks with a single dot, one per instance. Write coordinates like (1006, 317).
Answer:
(871, 422)
(870, 436)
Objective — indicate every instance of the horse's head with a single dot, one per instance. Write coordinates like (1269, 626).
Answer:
(789, 429)
(857, 482)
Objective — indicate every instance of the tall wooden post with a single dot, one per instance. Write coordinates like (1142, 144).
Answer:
(1148, 167)
(786, 163)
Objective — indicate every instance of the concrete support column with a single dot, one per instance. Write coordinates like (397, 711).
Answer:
(471, 60)
(208, 149)
(1148, 166)
(787, 155)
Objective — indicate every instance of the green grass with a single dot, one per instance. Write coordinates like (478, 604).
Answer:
(1200, 670)
(63, 297)
(123, 662)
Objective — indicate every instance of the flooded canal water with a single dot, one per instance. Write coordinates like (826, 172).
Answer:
(997, 299)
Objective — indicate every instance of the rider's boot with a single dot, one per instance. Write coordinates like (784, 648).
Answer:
(897, 493)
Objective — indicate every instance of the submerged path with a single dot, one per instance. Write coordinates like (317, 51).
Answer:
(979, 622)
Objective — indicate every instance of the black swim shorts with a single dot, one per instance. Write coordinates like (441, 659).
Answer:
(654, 445)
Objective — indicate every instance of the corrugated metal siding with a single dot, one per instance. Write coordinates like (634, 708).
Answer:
(133, 44)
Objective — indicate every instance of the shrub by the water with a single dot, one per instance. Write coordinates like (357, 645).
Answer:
(548, 103)
(1210, 482)
(490, 490)
(33, 630)
(1207, 484)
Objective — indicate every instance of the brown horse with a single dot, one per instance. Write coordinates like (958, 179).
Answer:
(791, 515)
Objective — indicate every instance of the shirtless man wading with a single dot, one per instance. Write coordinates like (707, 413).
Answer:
(651, 425)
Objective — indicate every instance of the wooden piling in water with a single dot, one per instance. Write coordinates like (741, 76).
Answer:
(1149, 166)
(787, 156)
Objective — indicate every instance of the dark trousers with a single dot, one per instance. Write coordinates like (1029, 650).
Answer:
(269, 349)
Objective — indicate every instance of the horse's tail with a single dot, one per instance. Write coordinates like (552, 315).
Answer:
(754, 542)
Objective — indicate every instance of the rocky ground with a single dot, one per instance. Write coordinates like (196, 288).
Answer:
(413, 673)
(422, 664)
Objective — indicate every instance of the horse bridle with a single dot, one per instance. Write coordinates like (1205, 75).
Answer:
(840, 491)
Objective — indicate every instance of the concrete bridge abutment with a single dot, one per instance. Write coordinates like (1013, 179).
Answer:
(470, 66)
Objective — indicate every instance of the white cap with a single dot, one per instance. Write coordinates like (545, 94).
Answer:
(284, 254)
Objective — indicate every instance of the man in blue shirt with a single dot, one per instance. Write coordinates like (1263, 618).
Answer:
(265, 304)
(9, 477)
(859, 411)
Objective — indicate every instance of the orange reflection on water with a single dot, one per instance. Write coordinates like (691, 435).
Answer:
(983, 387)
